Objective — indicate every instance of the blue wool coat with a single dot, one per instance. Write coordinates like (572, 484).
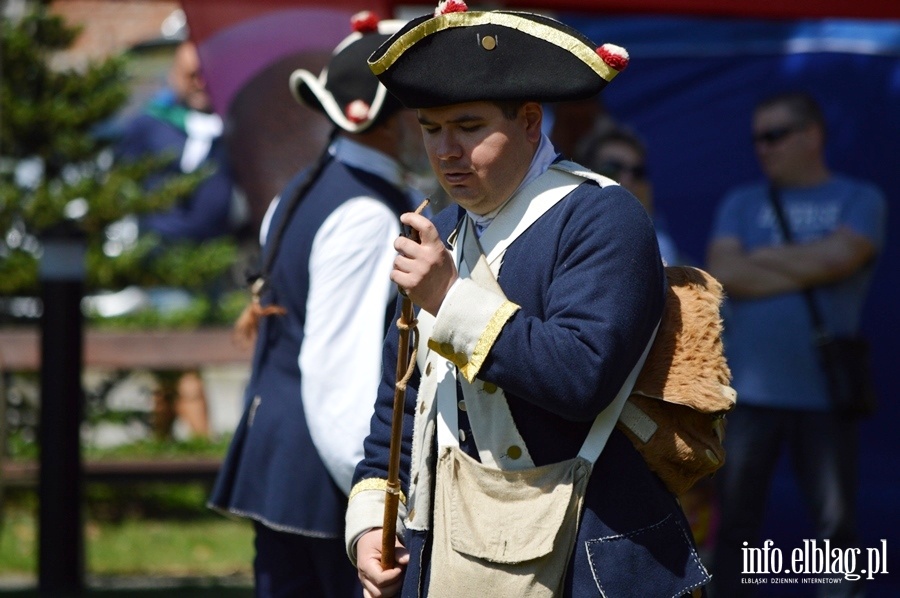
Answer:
(590, 285)
(273, 472)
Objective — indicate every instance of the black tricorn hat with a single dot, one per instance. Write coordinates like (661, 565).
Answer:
(346, 91)
(456, 56)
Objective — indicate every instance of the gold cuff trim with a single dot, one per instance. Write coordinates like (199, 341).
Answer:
(466, 19)
(488, 337)
(373, 484)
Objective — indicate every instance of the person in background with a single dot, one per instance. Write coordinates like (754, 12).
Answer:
(179, 121)
(538, 293)
(622, 156)
(322, 301)
(838, 227)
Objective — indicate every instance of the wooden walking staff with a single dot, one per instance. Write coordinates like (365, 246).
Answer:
(406, 363)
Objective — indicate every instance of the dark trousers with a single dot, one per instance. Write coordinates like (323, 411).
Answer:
(823, 449)
(294, 566)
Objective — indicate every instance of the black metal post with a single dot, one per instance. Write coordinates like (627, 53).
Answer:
(61, 541)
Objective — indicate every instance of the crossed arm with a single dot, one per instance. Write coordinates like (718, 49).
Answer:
(773, 270)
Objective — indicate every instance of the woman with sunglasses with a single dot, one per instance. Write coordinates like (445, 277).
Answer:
(620, 155)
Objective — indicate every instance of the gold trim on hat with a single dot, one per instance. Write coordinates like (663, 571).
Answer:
(552, 35)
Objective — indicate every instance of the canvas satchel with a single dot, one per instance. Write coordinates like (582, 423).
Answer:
(514, 536)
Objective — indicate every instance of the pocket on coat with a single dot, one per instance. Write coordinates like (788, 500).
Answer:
(649, 562)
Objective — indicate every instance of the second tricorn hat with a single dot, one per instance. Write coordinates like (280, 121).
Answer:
(457, 56)
(345, 91)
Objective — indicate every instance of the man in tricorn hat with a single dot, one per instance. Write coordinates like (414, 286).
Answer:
(538, 295)
(324, 285)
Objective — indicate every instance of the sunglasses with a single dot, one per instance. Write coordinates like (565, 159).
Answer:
(614, 169)
(776, 135)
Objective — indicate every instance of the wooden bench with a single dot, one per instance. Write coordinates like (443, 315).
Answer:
(159, 350)
(114, 349)
(25, 473)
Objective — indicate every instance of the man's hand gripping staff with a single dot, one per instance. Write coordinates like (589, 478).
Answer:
(405, 365)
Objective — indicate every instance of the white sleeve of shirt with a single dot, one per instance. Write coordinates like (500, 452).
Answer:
(267, 220)
(340, 358)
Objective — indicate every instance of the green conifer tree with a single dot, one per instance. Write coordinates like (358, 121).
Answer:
(55, 171)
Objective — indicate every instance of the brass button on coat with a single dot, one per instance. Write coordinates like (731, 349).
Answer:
(461, 405)
(490, 388)
(514, 452)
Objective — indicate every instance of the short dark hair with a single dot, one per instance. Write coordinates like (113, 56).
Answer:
(588, 147)
(509, 108)
(801, 104)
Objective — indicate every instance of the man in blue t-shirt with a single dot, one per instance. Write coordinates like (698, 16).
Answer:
(837, 227)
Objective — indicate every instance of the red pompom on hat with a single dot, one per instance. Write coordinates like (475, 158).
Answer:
(614, 56)
(345, 90)
(357, 111)
(364, 21)
(449, 6)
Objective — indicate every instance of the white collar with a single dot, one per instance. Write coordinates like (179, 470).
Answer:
(202, 129)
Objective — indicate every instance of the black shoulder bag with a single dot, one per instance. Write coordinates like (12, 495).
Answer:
(845, 359)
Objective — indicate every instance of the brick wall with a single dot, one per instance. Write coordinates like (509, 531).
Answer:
(110, 26)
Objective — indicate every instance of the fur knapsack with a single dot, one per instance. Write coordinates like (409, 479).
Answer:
(675, 416)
